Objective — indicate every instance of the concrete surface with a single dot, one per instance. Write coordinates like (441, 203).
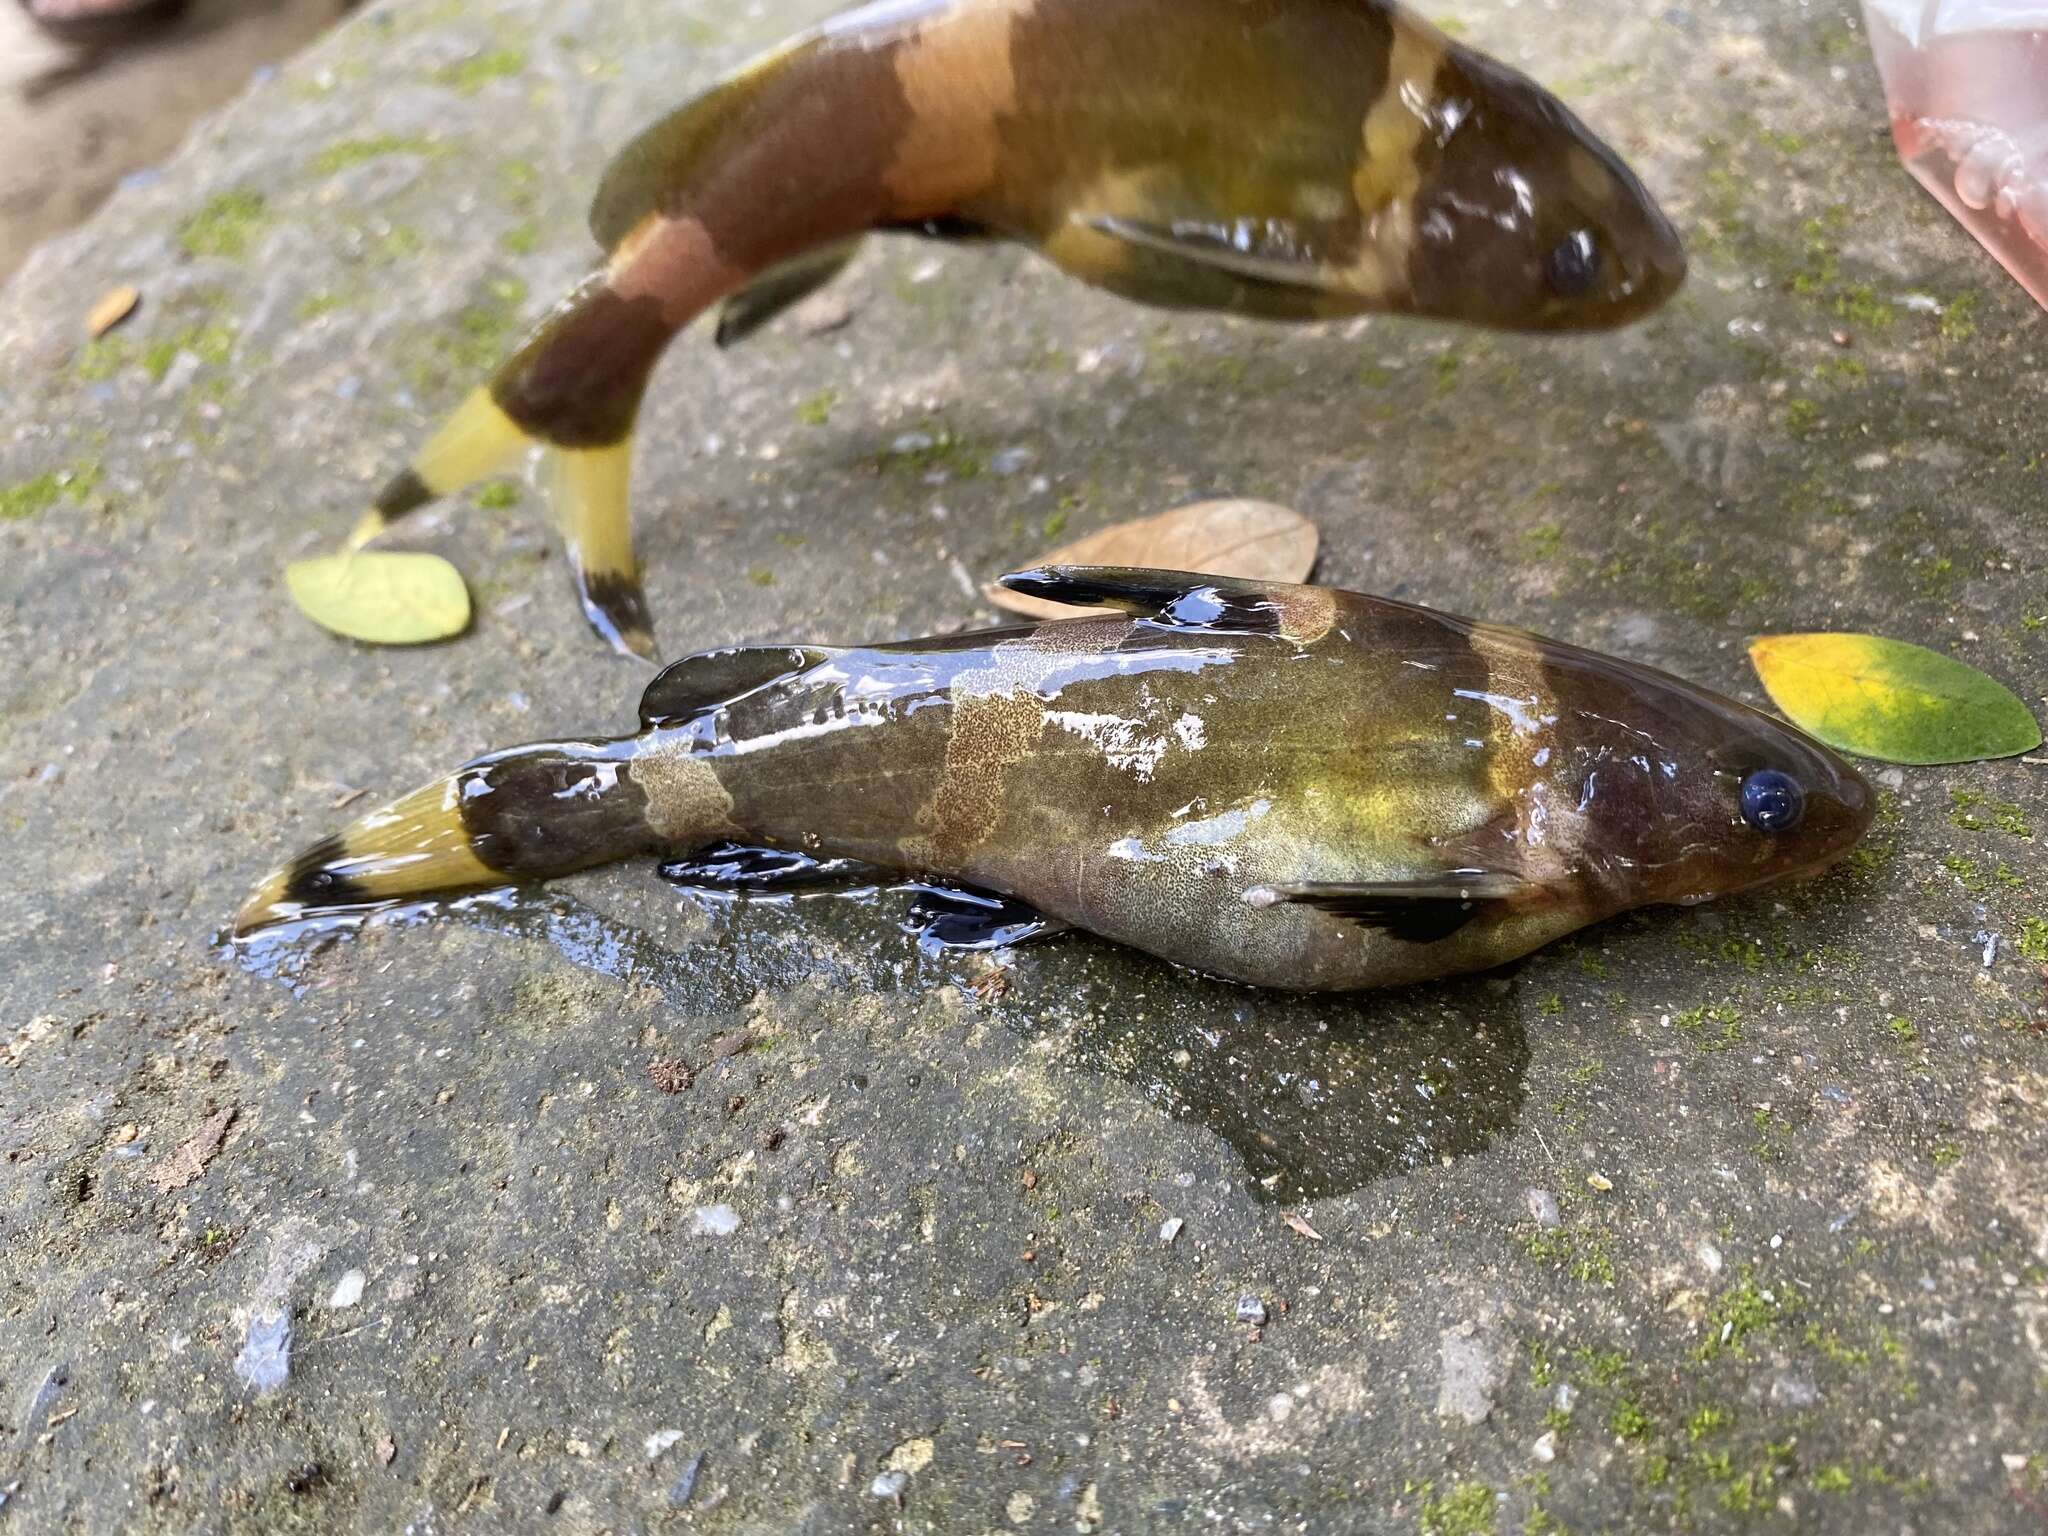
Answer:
(1726, 1219)
(75, 120)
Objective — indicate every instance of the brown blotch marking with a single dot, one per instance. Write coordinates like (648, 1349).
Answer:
(959, 82)
(577, 383)
(998, 721)
(1306, 614)
(687, 806)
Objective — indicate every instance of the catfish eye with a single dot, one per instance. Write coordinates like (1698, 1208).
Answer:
(1772, 801)
(1572, 267)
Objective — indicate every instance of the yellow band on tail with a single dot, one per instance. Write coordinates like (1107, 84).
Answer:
(416, 846)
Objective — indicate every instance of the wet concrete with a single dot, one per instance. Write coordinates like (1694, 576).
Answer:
(612, 1209)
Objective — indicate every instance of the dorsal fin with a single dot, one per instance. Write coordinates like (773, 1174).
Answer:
(1180, 598)
(711, 678)
(646, 175)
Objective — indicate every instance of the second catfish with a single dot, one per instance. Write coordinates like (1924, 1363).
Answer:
(1291, 159)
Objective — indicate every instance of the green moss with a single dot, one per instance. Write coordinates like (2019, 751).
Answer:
(1833, 1478)
(1975, 812)
(1551, 1006)
(1542, 1369)
(1469, 1509)
(353, 152)
(211, 344)
(313, 306)
(1801, 416)
(1707, 1421)
(934, 449)
(473, 74)
(523, 239)
(497, 495)
(1055, 524)
(1741, 1310)
(25, 500)
(1902, 1029)
(1959, 318)
(761, 576)
(1604, 1367)
(2034, 939)
(226, 227)
(1581, 1251)
(1545, 541)
(817, 411)
(1629, 1421)
(1712, 1027)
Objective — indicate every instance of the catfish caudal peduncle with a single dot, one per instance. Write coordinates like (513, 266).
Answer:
(1293, 159)
(1289, 786)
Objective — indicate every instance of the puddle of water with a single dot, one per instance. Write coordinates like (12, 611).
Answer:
(1318, 1095)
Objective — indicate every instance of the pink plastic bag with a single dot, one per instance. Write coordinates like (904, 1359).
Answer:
(1967, 81)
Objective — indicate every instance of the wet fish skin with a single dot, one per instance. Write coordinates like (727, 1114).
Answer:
(1291, 159)
(1294, 787)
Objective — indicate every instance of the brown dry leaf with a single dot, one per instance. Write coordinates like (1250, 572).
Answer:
(1300, 1224)
(115, 305)
(192, 1154)
(1255, 540)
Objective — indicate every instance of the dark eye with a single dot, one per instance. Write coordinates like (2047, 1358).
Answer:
(1573, 265)
(1772, 801)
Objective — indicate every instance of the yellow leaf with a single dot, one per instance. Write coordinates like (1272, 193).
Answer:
(1254, 540)
(1890, 700)
(382, 598)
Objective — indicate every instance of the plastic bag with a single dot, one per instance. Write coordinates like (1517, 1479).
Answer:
(1967, 83)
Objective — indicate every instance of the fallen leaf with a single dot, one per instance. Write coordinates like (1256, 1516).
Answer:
(115, 305)
(1891, 701)
(1300, 1224)
(1600, 1182)
(1255, 540)
(192, 1155)
(381, 597)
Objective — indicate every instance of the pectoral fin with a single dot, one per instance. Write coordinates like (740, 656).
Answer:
(1413, 911)
(779, 289)
(1271, 251)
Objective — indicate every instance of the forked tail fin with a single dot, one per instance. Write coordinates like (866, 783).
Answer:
(574, 391)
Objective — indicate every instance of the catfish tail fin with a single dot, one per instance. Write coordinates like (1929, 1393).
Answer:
(574, 391)
(526, 814)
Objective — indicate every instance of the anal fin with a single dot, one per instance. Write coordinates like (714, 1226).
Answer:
(737, 867)
(779, 289)
(1421, 911)
(948, 917)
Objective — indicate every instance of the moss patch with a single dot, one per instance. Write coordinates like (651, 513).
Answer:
(353, 152)
(1469, 1509)
(472, 75)
(226, 227)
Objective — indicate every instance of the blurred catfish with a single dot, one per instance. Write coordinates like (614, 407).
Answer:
(1292, 159)
(1290, 786)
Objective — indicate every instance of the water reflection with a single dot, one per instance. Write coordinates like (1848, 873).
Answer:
(1317, 1095)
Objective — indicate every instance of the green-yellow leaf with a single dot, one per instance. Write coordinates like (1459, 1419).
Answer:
(1892, 701)
(381, 597)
